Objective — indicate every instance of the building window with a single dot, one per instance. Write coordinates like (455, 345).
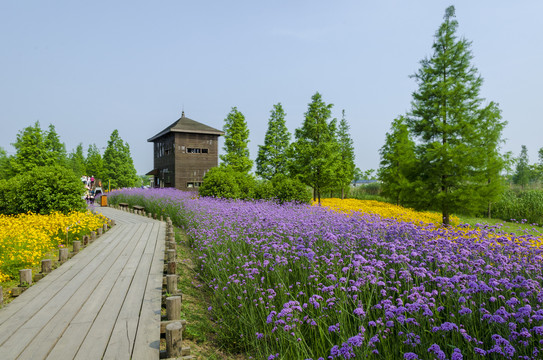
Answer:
(197, 151)
(193, 184)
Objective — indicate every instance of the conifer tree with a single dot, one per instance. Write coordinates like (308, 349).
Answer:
(118, 165)
(447, 120)
(55, 150)
(522, 173)
(272, 156)
(94, 163)
(397, 163)
(77, 160)
(315, 152)
(236, 140)
(345, 165)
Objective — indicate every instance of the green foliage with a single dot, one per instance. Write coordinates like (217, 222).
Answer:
(520, 205)
(236, 140)
(225, 182)
(345, 170)
(452, 127)
(285, 189)
(397, 163)
(118, 165)
(5, 165)
(42, 190)
(315, 152)
(76, 160)
(94, 164)
(56, 150)
(272, 156)
(522, 173)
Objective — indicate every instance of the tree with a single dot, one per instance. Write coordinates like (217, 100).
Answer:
(397, 163)
(315, 152)
(345, 165)
(30, 149)
(272, 157)
(5, 165)
(56, 190)
(118, 165)
(55, 150)
(236, 140)
(522, 173)
(447, 119)
(94, 163)
(76, 160)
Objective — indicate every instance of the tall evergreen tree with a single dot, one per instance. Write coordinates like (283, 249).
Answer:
(447, 119)
(398, 163)
(236, 140)
(345, 165)
(272, 156)
(56, 150)
(76, 160)
(118, 165)
(315, 152)
(522, 173)
(94, 163)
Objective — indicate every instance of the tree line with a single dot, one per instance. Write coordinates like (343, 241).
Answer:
(320, 157)
(41, 176)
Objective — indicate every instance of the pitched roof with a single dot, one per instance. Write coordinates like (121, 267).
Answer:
(186, 125)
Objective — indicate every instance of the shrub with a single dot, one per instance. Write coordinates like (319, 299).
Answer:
(224, 182)
(286, 189)
(523, 205)
(42, 191)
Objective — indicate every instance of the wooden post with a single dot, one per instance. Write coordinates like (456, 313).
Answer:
(172, 268)
(25, 277)
(171, 245)
(171, 284)
(171, 255)
(62, 254)
(100, 231)
(161, 218)
(105, 227)
(77, 246)
(111, 223)
(46, 266)
(173, 308)
(174, 338)
(93, 236)
(154, 216)
(1, 297)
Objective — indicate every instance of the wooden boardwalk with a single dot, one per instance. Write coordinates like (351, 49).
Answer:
(104, 303)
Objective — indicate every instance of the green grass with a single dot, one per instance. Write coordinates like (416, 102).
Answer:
(506, 226)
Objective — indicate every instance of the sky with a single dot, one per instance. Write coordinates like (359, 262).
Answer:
(91, 67)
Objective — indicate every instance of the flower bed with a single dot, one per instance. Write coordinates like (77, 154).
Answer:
(302, 282)
(26, 238)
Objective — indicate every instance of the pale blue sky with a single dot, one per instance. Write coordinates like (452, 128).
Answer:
(92, 67)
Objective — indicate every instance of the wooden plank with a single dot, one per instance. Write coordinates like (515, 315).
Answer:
(46, 288)
(29, 330)
(121, 342)
(55, 328)
(99, 334)
(54, 287)
(147, 345)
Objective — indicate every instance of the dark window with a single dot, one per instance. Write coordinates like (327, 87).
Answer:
(194, 150)
(204, 151)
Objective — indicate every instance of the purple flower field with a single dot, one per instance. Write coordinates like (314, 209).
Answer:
(300, 282)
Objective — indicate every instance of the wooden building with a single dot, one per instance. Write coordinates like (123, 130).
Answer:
(183, 153)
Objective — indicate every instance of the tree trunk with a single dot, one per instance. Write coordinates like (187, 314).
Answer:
(342, 193)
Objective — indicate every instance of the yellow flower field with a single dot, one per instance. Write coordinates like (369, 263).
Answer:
(26, 238)
(384, 210)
